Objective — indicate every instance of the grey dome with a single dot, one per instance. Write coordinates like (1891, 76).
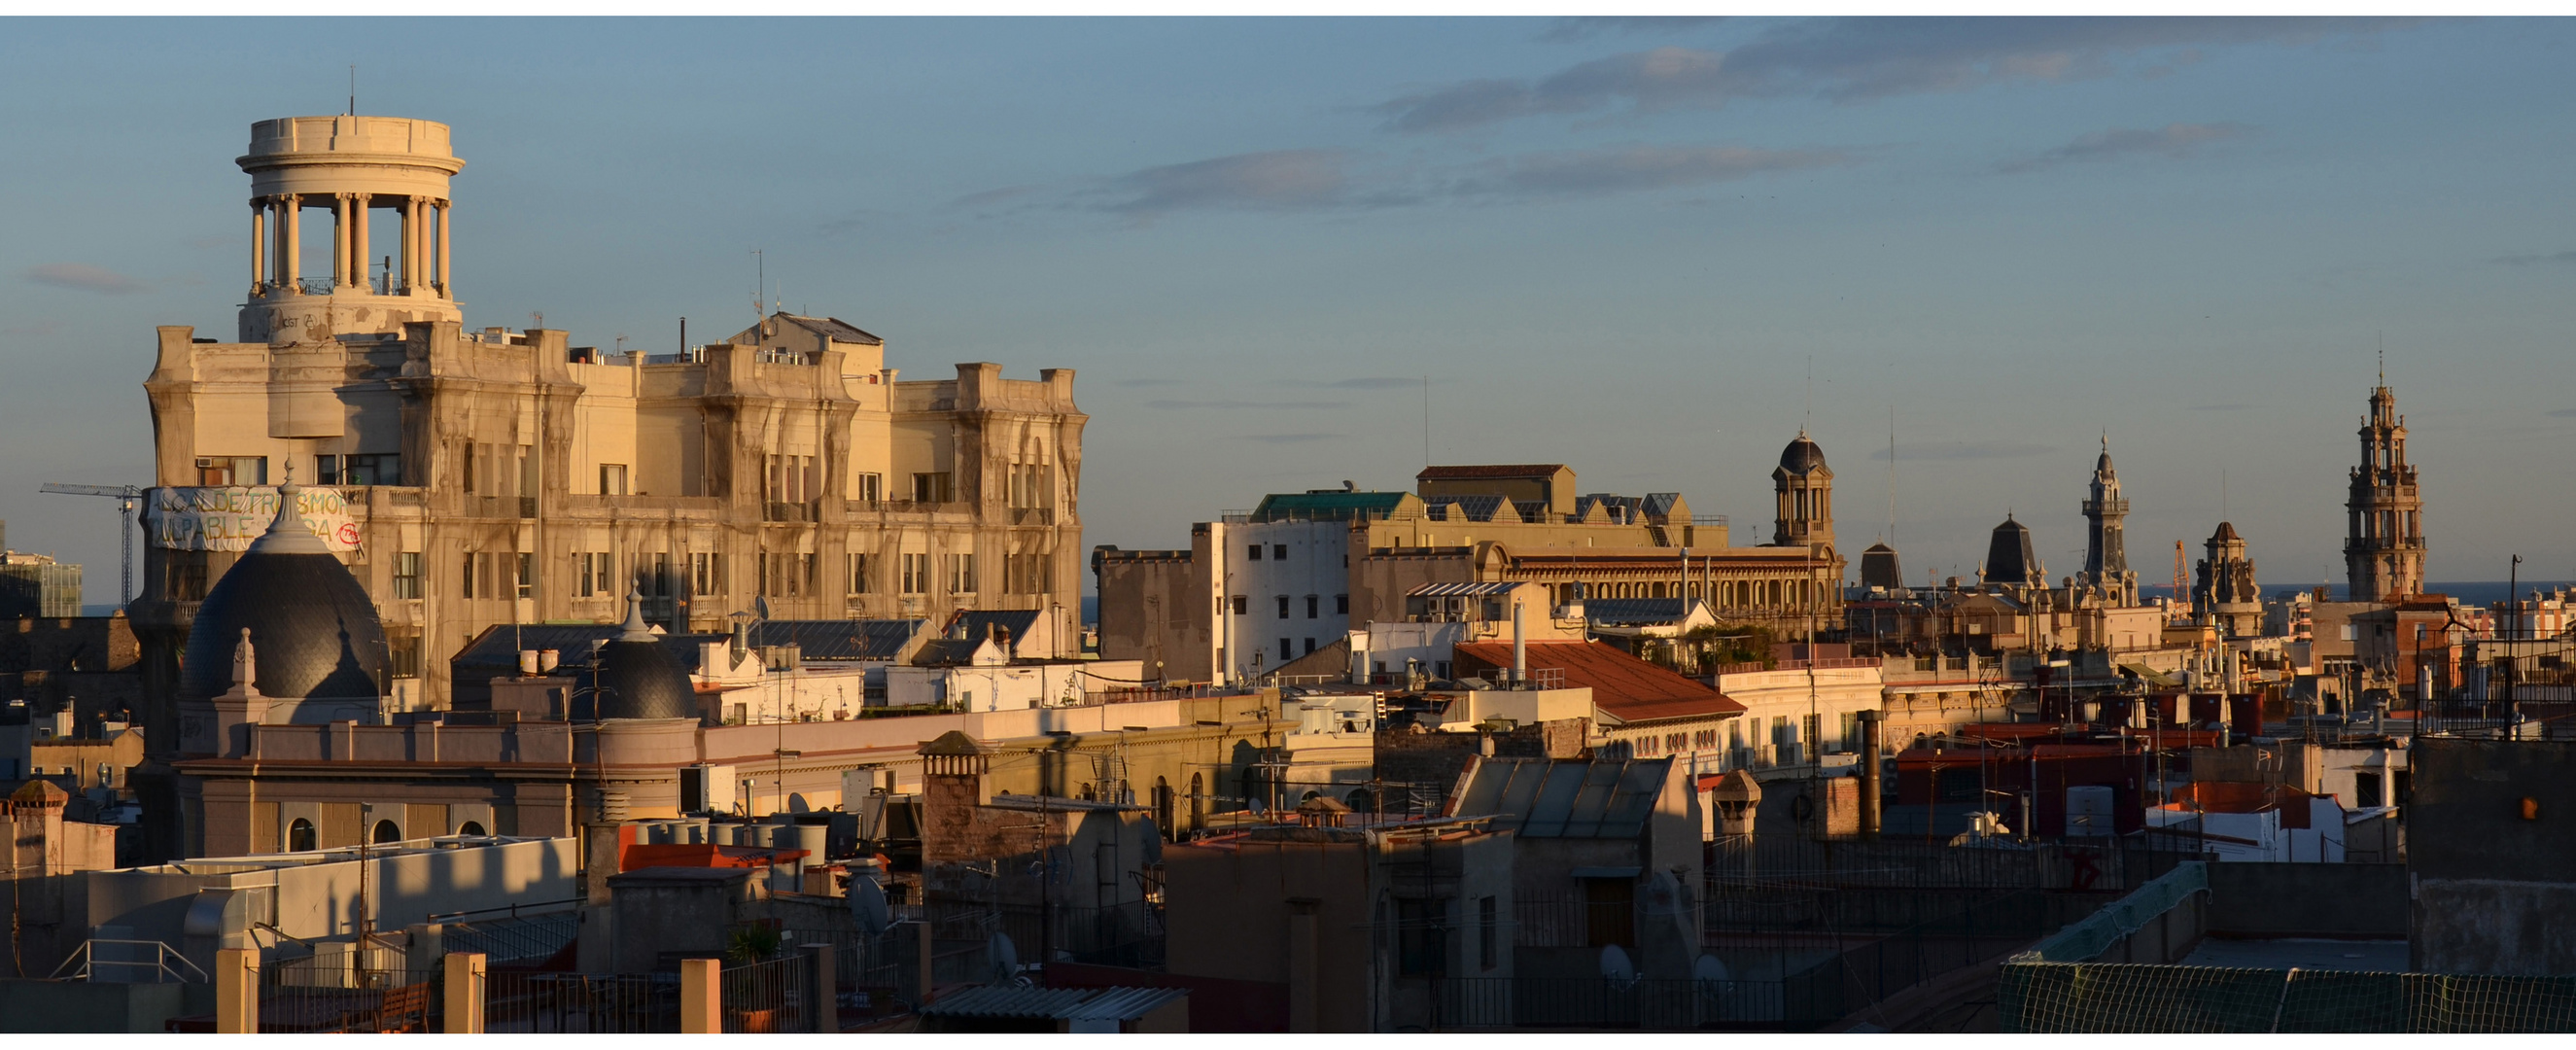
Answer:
(1802, 455)
(315, 630)
(634, 678)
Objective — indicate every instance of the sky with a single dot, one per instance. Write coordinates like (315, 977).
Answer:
(1651, 249)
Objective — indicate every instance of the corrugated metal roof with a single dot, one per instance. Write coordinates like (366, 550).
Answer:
(1491, 470)
(1327, 504)
(1623, 611)
(1063, 1004)
(833, 328)
(1459, 590)
(1543, 798)
(841, 639)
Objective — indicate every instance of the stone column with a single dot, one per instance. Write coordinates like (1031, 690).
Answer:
(444, 292)
(362, 273)
(294, 250)
(410, 237)
(277, 241)
(258, 246)
(466, 979)
(701, 1005)
(339, 241)
(237, 991)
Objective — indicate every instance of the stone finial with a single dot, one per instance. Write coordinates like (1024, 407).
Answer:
(245, 661)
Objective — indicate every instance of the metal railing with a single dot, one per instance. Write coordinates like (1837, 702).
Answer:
(86, 963)
(378, 1001)
(526, 1001)
(763, 998)
(1502, 1003)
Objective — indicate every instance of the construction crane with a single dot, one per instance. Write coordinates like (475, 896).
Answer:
(128, 498)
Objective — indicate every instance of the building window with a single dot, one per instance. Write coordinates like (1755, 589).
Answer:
(407, 574)
(612, 479)
(299, 836)
(1310, 646)
(916, 574)
(477, 567)
(524, 568)
(592, 575)
(1286, 652)
(1253, 552)
(1028, 573)
(1341, 605)
(1422, 939)
(1283, 607)
(1488, 939)
(1031, 486)
(932, 488)
(232, 470)
(961, 574)
(791, 479)
(1313, 602)
(867, 488)
(858, 574)
(402, 656)
(706, 574)
(374, 468)
(1279, 552)
(1242, 604)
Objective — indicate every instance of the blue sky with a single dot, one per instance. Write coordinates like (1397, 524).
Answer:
(1625, 246)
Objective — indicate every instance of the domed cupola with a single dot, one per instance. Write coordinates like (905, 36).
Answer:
(315, 628)
(635, 677)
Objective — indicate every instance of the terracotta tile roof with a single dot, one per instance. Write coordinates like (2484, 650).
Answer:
(1623, 686)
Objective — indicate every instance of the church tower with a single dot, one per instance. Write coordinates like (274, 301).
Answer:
(1803, 489)
(2383, 548)
(379, 185)
(2106, 563)
(2226, 596)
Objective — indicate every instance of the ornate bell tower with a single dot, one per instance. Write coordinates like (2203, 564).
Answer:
(2383, 548)
(2106, 563)
(349, 168)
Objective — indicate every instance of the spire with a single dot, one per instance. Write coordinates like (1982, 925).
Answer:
(636, 629)
(287, 533)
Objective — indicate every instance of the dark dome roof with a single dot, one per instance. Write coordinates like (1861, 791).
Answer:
(2226, 531)
(636, 679)
(1801, 456)
(2009, 558)
(314, 628)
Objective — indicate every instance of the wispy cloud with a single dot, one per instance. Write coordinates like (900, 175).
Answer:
(2171, 140)
(1146, 382)
(1376, 383)
(1235, 406)
(1852, 60)
(1625, 168)
(86, 278)
(2220, 408)
(2558, 259)
(1965, 450)
(1267, 181)
(1287, 439)
(2563, 413)
(1569, 30)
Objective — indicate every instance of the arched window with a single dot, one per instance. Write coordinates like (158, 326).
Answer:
(386, 831)
(1198, 800)
(471, 828)
(299, 836)
(1361, 800)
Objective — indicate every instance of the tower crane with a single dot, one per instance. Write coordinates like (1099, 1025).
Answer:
(128, 498)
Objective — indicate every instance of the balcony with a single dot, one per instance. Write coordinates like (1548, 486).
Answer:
(1032, 515)
(776, 510)
(501, 506)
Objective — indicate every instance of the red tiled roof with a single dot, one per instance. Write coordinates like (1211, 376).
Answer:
(1623, 686)
(634, 855)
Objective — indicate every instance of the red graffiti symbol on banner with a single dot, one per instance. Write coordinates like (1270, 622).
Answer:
(349, 533)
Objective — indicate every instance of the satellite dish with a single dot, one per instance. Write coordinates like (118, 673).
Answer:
(868, 905)
(1708, 968)
(1005, 956)
(1615, 965)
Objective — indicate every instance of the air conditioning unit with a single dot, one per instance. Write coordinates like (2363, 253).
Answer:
(707, 789)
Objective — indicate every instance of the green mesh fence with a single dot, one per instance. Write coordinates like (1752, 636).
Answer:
(2125, 997)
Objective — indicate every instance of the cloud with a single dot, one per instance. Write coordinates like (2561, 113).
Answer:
(2172, 140)
(1854, 60)
(86, 278)
(1626, 168)
(2563, 413)
(988, 198)
(1376, 383)
(1147, 382)
(2220, 408)
(1273, 180)
(1287, 439)
(1965, 450)
(1234, 406)
(1568, 30)
(2559, 259)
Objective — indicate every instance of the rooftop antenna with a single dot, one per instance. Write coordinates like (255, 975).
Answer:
(1426, 421)
(1891, 475)
(353, 89)
(760, 275)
